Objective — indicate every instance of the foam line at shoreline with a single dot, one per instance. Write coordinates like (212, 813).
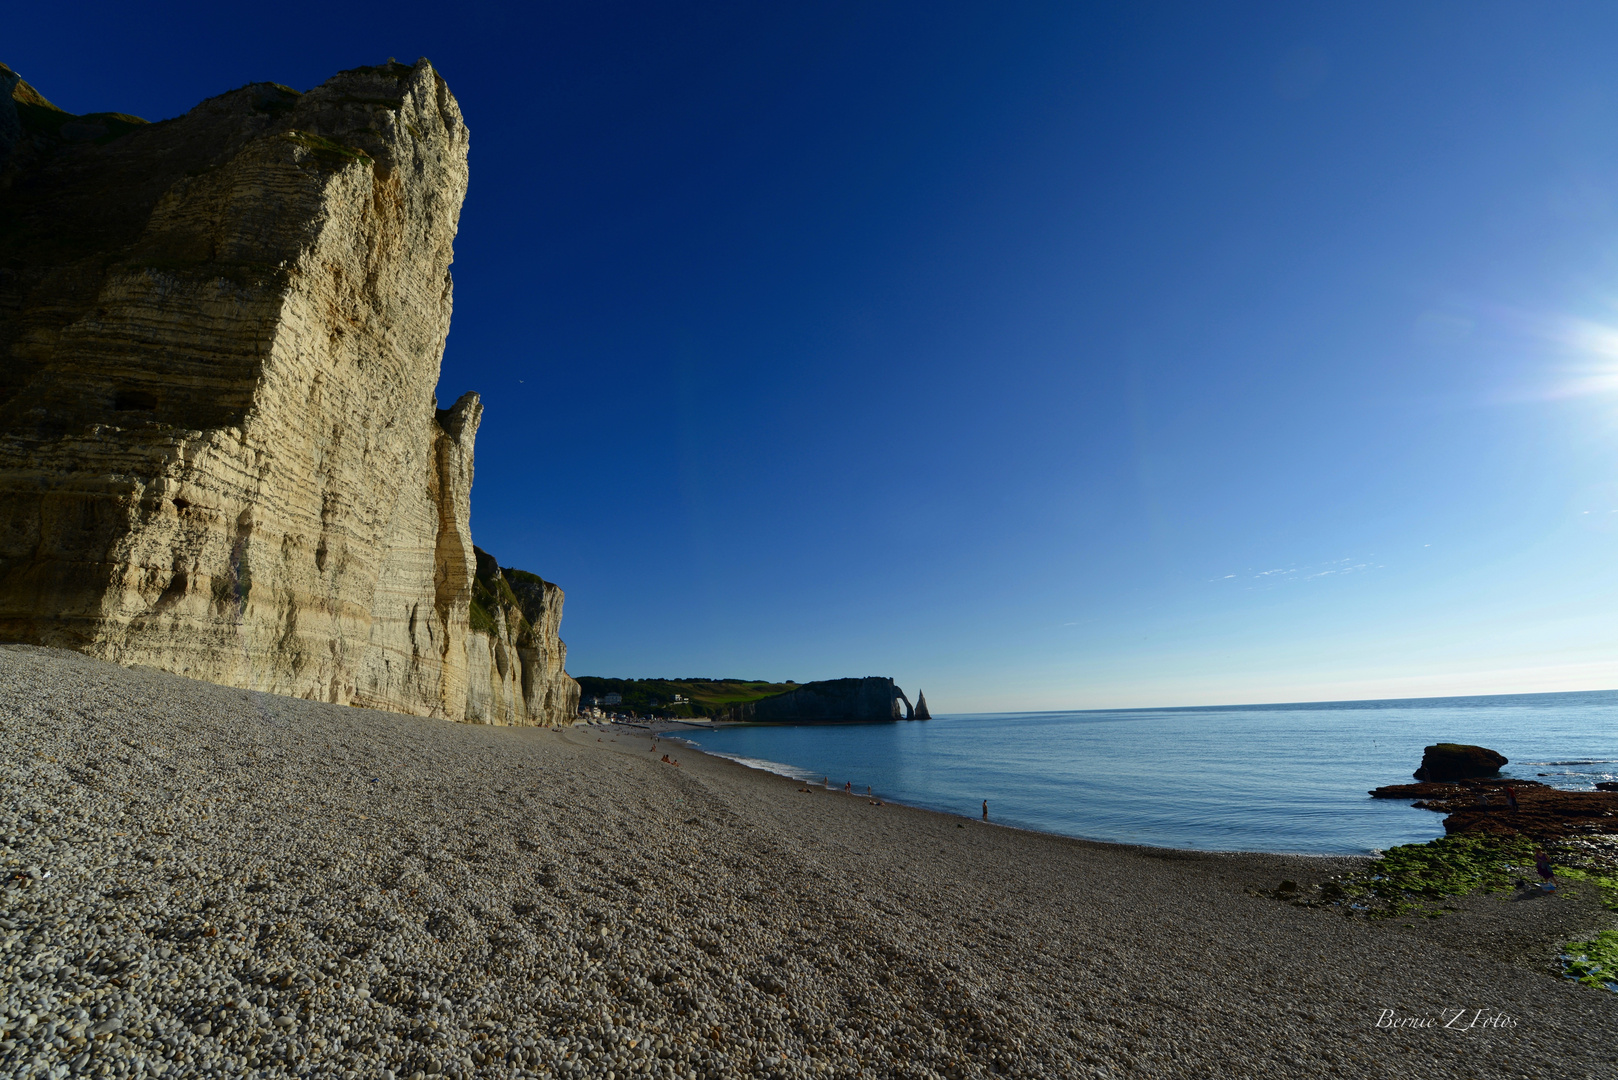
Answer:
(791, 772)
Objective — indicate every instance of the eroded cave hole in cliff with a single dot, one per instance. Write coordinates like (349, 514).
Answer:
(134, 401)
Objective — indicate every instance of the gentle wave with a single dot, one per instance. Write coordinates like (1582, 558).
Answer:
(788, 771)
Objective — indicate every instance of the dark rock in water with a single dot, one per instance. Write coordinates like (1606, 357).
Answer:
(834, 701)
(921, 707)
(1456, 761)
(1543, 812)
(1455, 790)
(1607, 785)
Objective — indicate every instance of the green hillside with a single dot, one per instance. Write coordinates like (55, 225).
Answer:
(702, 697)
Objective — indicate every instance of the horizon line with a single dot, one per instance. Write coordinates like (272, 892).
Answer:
(1280, 704)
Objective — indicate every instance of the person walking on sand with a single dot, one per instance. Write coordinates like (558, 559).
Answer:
(985, 809)
(1547, 872)
(848, 786)
(1511, 798)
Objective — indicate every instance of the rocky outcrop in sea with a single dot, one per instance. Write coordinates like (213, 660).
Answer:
(220, 452)
(1457, 761)
(1531, 808)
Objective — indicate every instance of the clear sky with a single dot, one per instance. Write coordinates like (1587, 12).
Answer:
(1038, 355)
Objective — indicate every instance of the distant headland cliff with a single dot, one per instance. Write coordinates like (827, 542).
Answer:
(831, 701)
(220, 453)
(835, 701)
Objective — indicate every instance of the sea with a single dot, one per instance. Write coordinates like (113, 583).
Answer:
(1277, 778)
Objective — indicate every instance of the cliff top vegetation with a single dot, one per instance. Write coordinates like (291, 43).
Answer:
(700, 697)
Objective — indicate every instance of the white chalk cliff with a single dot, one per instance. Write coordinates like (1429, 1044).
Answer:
(220, 454)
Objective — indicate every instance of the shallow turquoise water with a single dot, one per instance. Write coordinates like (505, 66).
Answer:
(1287, 778)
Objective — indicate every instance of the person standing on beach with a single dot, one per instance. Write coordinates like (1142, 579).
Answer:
(1511, 798)
(1547, 872)
(985, 809)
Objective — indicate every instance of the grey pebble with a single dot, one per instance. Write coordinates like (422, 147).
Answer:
(521, 902)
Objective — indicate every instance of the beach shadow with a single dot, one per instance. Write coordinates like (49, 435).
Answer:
(1533, 893)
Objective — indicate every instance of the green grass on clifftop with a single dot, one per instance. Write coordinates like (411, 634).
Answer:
(707, 697)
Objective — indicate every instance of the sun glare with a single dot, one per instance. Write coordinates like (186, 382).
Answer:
(1593, 359)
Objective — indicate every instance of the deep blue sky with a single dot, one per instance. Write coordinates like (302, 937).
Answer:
(1040, 355)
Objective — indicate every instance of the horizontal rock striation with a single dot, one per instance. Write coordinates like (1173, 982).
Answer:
(220, 453)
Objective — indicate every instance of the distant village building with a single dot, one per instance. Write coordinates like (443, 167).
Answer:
(613, 699)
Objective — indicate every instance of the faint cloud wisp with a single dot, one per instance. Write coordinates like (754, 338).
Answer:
(1285, 574)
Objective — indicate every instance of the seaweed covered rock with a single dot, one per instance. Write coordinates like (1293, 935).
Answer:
(1457, 761)
(1530, 809)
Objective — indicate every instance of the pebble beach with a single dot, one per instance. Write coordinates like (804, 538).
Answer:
(204, 881)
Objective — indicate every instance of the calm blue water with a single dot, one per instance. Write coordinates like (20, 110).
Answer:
(1289, 778)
